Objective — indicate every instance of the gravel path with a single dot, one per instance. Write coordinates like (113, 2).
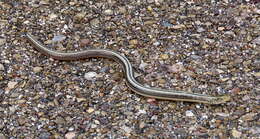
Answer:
(207, 47)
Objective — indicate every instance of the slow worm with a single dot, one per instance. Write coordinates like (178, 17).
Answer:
(128, 73)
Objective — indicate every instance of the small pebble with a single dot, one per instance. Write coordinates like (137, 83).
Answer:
(248, 117)
(84, 42)
(70, 135)
(257, 74)
(200, 29)
(246, 98)
(189, 113)
(221, 28)
(150, 22)
(12, 109)
(81, 99)
(108, 12)
(167, 24)
(155, 117)
(22, 121)
(133, 42)
(94, 126)
(156, 43)
(127, 129)
(72, 3)
(164, 56)
(178, 26)
(11, 84)
(236, 133)
(141, 112)
(2, 67)
(44, 2)
(142, 125)
(142, 65)
(149, 8)
(224, 79)
(90, 110)
(255, 130)
(45, 135)
(151, 100)
(117, 76)
(235, 90)
(60, 120)
(175, 68)
(26, 22)
(257, 11)
(52, 16)
(256, 40)
(2, 41)
(37, 69)
(80, 16)
(95, 22)
(222, 114)
(2, 136)
(219, 71)
(58, 38)
(90, 75)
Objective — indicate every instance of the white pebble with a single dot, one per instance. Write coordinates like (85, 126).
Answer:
(2, 41)
(52, 16)
(90, 110)
(156, 43)
(70, 135)
(90, 75)
(12, 109)
(26, 22)
(127, 129)
(257, 40)
(2, 67)
(222, 114)
(7, 61)
(189, 113)
(154, 117)
(93, 126)
(200, 29)
(142, 65)
(236, 133)
(37, 69)
(141, 112)
(108, 12)
(58, 38)
(11, 85)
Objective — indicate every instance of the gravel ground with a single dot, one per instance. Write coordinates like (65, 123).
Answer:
(209, 47)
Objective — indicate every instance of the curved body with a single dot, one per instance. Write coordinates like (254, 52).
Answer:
(128, 73)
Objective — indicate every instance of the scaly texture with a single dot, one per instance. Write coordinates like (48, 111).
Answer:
(128, 71)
